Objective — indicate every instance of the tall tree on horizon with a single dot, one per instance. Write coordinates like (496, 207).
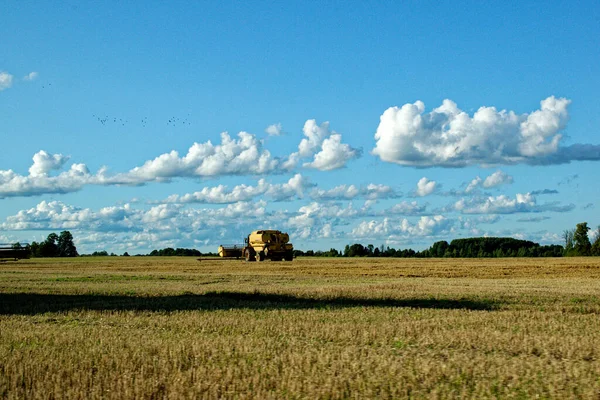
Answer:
(66, 247)
(581, 240)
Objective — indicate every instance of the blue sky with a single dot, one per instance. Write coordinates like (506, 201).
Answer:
(385, 123)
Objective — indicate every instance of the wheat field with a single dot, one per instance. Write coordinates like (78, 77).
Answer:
(172, 328)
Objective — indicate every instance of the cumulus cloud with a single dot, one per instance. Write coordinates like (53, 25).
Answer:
(425, 187)
(6, 80)
(406, 208)
(39, 181)
(425, 226)
(241, 156)
(32, 76)
(522, 203)
(334, 154)
(472, 224)
(496, 179)
(43, 163)
(449, 137)
(332, 211)
(324, 146)
(274, 129)
(56, 215)
(320, 219)
(221, 194)
(348, 192)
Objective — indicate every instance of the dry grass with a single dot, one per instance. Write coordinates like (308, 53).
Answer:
(314, 328)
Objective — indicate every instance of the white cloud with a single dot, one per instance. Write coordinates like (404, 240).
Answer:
(449, 137)
(315, 134)
(221, 194)
(425, 226)
(406, 208)
(274, 130)
(348, 192)
(242, 156)
(126, 218)
(39, 180)
(472, 223)
(325, 147)
(522, 203)
(43, 163)
(328, 211)
(32, 76)
(319, 220)
(293, 188)
(334, 154)
(474, 184)
(341, 192)
(496, 179)
(425, 187)
(6, 80)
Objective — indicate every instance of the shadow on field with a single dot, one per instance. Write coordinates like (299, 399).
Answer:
(29, 304)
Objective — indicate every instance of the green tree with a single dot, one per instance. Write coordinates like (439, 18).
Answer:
(568, 235)
(370, 249)
(439, 249)
(35, 249)
(66, 247)
(49, 248)
(581, 241)
(596, 245)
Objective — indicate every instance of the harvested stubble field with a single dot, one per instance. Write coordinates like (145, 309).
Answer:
(119, 328)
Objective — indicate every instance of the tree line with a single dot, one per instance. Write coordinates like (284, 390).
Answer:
(60, 245)
(166, 252)
(577, 243)
(463, 248)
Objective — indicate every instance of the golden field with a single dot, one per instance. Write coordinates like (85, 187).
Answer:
(141, 327)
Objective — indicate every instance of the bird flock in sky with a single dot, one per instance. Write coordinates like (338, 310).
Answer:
(172, 121)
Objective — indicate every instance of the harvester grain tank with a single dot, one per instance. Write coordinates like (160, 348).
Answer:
(268, 244)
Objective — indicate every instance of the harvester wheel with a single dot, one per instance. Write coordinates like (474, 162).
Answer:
(261, 256)
(249, 256)
(289, 256)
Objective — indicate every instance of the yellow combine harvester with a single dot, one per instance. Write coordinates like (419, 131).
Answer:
(260, 245)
